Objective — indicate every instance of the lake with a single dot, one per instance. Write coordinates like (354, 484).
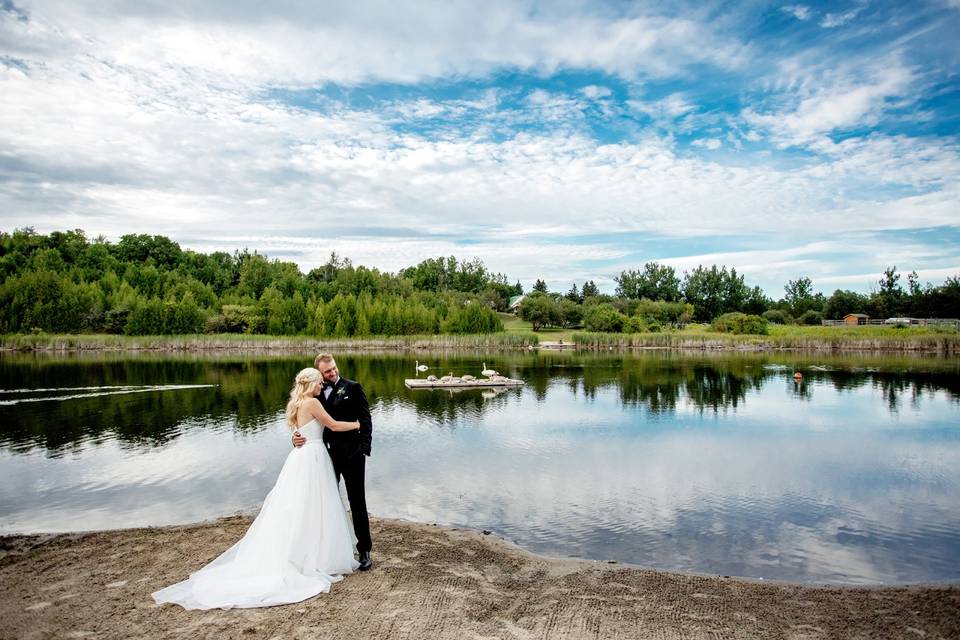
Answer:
(710, 463)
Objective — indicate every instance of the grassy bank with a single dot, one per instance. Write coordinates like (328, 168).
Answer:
(783, 337)
(519, 335)
(245, 342)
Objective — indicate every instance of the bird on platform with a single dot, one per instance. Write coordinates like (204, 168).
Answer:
(488, 372)
(421, 367)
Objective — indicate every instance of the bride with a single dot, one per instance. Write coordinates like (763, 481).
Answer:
(300, 543)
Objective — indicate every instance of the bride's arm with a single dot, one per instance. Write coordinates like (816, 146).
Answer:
(318, 412)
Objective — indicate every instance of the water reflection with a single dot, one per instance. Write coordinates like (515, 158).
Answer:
(716, 464)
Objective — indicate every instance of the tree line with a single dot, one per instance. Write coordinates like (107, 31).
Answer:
(655, 297)
(64, 282)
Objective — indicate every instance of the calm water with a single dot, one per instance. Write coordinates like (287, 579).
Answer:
(714, 464)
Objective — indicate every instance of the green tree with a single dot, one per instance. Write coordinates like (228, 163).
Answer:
(48, 301)
(255, 275)
(141, 248)
(891, 293)
(185, 316)
(147, 318)
(590, 290)
(571, 313)
(663, 313)
(715, 291)
(329, 270)
(69, 244)
(800, 298)
(842, 302)
(740, 323)
(654, 282)
(603, 317)
(757, 302)
(96, 260)
(540, 310)
(473, 318)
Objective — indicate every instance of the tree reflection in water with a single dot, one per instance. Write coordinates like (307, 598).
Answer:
(249, 392)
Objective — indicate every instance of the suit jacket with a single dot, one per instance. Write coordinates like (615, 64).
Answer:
(348, 402)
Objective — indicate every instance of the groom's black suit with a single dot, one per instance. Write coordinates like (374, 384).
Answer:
(348, 449)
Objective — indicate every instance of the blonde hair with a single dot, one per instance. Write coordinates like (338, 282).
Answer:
(301, 384)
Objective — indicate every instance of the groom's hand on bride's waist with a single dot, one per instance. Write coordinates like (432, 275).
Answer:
(297, 439)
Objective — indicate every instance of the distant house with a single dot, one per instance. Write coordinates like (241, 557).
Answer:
(856, 318)
(515, 303)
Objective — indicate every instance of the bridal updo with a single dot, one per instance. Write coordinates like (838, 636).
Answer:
(301, 384)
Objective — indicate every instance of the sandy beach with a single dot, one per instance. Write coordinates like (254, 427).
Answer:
(433, 582)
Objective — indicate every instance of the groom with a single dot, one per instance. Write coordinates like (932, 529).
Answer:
(345, 400)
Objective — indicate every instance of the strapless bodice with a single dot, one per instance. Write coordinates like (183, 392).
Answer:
(312, 431)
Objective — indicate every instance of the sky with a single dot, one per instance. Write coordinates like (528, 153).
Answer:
(566, 141)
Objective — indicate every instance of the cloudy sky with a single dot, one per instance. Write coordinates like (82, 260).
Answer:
(561, 140)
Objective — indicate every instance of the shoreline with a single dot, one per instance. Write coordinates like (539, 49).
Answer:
(438, 582)
(813, 340)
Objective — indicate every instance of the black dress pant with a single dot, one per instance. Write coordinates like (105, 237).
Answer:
(352, 469)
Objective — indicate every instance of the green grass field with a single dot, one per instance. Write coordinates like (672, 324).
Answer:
(699, 336)
(513, 324)
(943, 341)
(519, 334)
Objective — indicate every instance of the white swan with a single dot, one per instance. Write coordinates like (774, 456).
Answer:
(421, 367)
(488, 372)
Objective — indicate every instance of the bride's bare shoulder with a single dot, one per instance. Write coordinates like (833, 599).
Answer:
(308, 406)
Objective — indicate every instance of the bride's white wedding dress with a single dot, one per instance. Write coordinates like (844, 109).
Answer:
(300, 543)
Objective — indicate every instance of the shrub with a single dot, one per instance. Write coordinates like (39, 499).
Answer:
(473, 317)
(661, 312)
(541, 310)
(810, 317)
(641, 324)
(740, 323)
(233, 318)
(776, 316)
(603, 318)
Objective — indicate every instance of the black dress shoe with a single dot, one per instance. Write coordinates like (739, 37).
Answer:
(365, 561)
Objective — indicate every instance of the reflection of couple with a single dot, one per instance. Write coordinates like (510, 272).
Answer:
(300, 543)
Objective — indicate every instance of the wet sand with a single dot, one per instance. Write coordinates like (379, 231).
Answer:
(433, 582)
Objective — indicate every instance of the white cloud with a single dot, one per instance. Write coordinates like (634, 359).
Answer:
(798, 11)
(861, 281)
(595, 92)
(707, 143)
(832, 20)
(106, 129)
(773, 267)
(664, 110)
(544, 106)
(824, 100)
(129, 151)
(370, 40)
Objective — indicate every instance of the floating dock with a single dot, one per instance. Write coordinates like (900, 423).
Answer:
(558, 346)
(460, 383)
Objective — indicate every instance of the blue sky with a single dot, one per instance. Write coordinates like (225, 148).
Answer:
(564, 140)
